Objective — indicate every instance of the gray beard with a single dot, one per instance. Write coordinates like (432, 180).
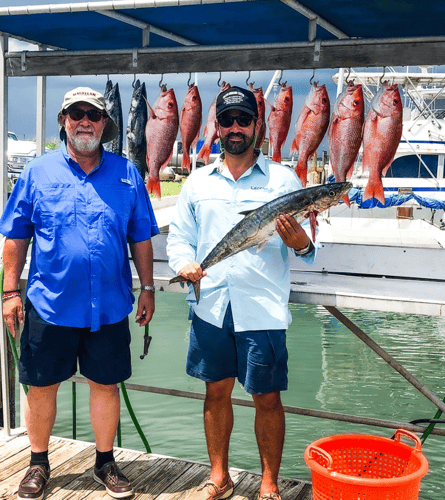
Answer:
(89, 145)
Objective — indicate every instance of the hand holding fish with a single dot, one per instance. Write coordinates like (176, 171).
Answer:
(192, 272)
(290, 231)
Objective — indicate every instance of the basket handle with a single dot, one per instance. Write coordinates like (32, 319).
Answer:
(409, 435)
(323, 453)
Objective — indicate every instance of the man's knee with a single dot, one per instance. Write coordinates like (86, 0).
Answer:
(221, 390)
(270, 401)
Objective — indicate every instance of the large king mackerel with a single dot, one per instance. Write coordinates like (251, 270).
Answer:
(259, 225)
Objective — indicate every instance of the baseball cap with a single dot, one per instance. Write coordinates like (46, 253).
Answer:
(236, 98)
(90, 96)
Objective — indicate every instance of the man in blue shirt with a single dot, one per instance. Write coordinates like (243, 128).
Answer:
(238, 328)
(81, 205)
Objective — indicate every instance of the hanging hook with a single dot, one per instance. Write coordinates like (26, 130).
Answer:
(381, 78)
(279, 80)
(347, 76)
(134, 80)
(188, 81)
(312, 77)
(219, 81)
(160, 82)
(248, 78)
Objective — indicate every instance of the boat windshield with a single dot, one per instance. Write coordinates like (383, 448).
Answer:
(411, 166)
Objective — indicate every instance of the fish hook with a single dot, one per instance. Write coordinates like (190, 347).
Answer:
(219, 81)
(188, 81)
(381, 78)
(312, 77)
(160, 82)
(248, 78)
(134, 80)
(347, 76)
(281, 76)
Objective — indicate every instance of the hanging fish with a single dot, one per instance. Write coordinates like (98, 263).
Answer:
(345, 132)
(190, 119)
(160, 133)
(210, 130)
(259, 96)
(310, 128)
(381, 137)
(279, 120)
(113, 106)
(137, 121)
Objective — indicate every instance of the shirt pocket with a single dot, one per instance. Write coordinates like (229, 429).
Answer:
(118, 205)
(57, 208)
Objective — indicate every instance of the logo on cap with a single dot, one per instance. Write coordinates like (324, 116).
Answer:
(233, 98)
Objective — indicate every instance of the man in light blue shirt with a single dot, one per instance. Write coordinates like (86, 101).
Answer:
(238, 327)
(81, 206)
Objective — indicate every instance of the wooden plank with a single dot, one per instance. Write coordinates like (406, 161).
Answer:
(333, 54)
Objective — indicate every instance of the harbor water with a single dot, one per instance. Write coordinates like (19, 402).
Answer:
(329, 369)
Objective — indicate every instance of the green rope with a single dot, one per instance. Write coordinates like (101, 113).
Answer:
(431, 426)
(133, 417)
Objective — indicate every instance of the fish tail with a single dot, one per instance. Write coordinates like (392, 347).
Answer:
(186, 160)
(276, 155)
(196, 285)
(204, 153)
(301, 170)
(154, 187)
(374, 189)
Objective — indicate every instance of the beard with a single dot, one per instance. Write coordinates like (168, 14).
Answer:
(82, 142)
(238, 147)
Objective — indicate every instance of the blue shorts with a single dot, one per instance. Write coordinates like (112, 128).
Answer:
(49, 352)
(257, 358)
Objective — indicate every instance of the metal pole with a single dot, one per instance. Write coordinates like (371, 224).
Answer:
(385, 356)
(41, 112)
(3, 187)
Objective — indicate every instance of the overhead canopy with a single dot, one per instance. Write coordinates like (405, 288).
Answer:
(173, 36)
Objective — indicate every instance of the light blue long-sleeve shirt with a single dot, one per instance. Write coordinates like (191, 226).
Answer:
(257, 283)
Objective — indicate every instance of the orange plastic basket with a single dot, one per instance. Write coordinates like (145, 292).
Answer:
(361, 467)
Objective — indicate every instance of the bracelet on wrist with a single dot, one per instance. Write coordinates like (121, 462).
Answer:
(304, 251)
(11, 296)
(150, 288)
(11, 291)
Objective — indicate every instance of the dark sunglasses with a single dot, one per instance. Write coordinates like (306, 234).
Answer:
(77, 114)
(227, 121)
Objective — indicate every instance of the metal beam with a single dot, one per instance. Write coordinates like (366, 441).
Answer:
(197, 59)
(137, 23)
(105, 5)
(312, 16)
(41, 113)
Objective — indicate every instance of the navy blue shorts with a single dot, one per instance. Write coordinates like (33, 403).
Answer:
(49, 353)
(257, 358)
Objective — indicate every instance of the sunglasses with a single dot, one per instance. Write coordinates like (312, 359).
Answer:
(227, 121)
(77, 114)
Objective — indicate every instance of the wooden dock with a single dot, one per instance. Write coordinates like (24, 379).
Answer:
(152, 476)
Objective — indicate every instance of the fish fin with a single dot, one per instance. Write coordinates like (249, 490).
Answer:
(301, 170)
(374, 189)
(154, 187)
(386, 168)
(167, 161)
(150, 110)
(185, 160)
(314, 223)
(196, 139)
(204, 153)
(177, 279)
(294, 148)
(346, 200)
(272, 108)
(261, 246)
(197, 289)
(246, 212)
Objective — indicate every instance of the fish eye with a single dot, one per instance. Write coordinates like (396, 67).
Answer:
(395, 102)
(331, 193)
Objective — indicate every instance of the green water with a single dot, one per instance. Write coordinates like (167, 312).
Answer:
(329, 369)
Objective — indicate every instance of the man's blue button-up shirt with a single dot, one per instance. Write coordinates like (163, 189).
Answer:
(80, 274)
(257, 283)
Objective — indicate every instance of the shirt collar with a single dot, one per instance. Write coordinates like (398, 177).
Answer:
(72, 162)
